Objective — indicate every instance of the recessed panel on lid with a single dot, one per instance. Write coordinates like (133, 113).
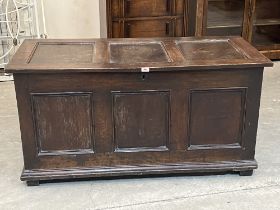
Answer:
(63, 53)
(138, 52)
(206, 50)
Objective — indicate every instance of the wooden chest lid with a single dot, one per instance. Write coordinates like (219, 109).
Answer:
(132, 55)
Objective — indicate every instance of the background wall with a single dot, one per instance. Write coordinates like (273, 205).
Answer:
(72, 18)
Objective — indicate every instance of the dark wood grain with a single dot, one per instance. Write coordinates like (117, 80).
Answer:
(141, 115)
(63, 53)
(59, 117)
(194, 109)
(188, 167)
(209, 51)
(221, 126)
(138, 52)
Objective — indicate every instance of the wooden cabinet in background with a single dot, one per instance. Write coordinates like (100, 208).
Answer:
(146, 18)
(257, 21)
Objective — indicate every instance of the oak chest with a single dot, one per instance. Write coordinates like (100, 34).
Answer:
(113, 107)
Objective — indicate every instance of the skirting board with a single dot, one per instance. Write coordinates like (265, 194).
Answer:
(70, 173)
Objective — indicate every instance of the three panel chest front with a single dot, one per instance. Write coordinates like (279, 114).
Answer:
(113, 107)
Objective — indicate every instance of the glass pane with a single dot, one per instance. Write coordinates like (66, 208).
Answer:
(266, 29)
(225, 17)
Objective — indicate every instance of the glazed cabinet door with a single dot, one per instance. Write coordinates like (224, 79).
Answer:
(222, 17)
(257, 21)
(266, 28)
